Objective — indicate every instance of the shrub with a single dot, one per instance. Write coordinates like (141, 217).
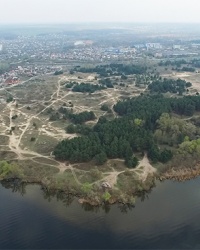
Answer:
(106, 196)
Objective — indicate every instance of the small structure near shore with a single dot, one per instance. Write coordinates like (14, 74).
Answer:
(106, 185)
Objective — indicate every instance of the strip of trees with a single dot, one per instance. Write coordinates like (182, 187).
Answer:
(113, 69)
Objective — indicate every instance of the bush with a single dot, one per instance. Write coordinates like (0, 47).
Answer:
(54, 117)
(14, 117)
(106, 196)
(86, 188)
(131, 162)
(34, 125)
(9, 170)
(71, 129)
(58, 72)
(9, 99)
(104, 107)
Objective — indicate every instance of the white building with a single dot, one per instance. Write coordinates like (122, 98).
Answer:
(176, 46)
(153, 46)
(78, 43)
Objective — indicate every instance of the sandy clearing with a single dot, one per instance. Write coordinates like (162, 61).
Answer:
(146, 167)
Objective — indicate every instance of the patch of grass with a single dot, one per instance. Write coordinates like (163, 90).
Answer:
(90, 177)
(46, 161)
(4, 148)
(4, 140)
(66, 181)
(118, 165)
(85, 166)
(43, 144)
(7, 155)
(127, 182)
(138, 171)
(105, 168)
(8, 170)
(36, 171)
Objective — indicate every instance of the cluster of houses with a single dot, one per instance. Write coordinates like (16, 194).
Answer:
(18, 73)
(39, 53)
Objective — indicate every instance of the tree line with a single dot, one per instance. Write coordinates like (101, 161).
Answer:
(87, 87)
(176, 63)
(113, 69)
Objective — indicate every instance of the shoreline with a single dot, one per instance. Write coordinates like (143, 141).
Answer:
(116, 186)
(98, 194)
(180, 175)
(84, 199)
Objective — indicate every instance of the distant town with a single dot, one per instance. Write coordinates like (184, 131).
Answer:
(25, 56)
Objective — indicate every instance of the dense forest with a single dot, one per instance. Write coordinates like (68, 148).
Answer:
(87, 88)
(108, 139)
(177, 64)
(169, 85)
(113, 69)
(81, 129)
(134, 132)
(58, 72)
(187, 69)
(150, 108)
(196, 63)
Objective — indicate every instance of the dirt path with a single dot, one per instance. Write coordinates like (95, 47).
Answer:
(112, 178)
(36, 115)
(15, 140)
(144, 167)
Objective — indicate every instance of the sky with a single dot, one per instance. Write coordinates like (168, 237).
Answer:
(88, 11)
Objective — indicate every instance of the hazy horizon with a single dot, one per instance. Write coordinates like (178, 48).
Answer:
(98, 11)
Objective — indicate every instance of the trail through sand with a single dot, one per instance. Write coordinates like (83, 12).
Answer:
(144, 166)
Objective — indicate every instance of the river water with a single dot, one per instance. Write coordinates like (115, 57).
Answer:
(168, 218)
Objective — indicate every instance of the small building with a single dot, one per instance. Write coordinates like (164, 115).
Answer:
(177, 46)
(105, 185)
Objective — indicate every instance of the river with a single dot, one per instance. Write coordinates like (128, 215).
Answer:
(168, 217)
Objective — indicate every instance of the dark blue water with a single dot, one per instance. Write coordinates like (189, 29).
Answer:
(169, 218)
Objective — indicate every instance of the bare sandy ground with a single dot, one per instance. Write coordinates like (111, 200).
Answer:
(144, 166)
